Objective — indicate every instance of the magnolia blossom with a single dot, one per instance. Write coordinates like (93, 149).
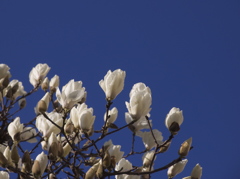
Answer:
(138, 125)
(38, 73)
(174, 116)
(82, 117)
(148, 139)
(114, 151)
(46, 127)
(4, 175)
(124, 165)
(197, 172)
(54, 83)
(14, 90)
(15, 128)
(72, 93)
(176, 168)
(113, 113)
(140, 101)
(113, 83)
(40, 165)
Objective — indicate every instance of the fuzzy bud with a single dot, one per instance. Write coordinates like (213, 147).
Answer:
(185, 147)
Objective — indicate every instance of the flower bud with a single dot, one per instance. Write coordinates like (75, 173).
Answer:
(69, 127)
(3, 160)
(185, 147)
(165, 147)
(14, 155)
(22, 103)
(176, 168)
(54, 83)
(99, 172)
(36, 169)
(53, 152)
(196, 172)
(66, 149)
(45, 84)
(26, 162)
(92, 171)
(173, 120)
(42, 105)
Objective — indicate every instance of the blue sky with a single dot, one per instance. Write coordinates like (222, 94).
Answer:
(187, 52)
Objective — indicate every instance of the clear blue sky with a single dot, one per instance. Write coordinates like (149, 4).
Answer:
(187, 52)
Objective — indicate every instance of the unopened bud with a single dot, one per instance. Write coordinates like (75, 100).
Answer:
(45, 84)
(69, 127)
(27, 162)
(174, 128)
(165, 147)
(53, 151)
(60, 150)
(92, 171)
(66, 149)
(22, 103)
(3, 160)
(99, 172)
(185, 147)
(36, 169)
(14, 155)
(41, 106)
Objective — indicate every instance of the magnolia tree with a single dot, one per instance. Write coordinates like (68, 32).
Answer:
(63, 131)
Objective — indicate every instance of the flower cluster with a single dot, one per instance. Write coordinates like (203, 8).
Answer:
(71, 145)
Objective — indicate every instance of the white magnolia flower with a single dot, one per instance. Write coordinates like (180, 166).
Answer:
(38, 73)
(140, 101)
(197, 172)
(20, 133)
(46, 127)
(114, 150)
(139, 124)
(124, 165)
(113, 113)
(54, 83)
(42, 159)
(4, 175)
(82, 117)
(72, 93)
(174, 116)
(15, 128)
(176, 168)
(113, 83)
(14, 90)
(148, 139)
